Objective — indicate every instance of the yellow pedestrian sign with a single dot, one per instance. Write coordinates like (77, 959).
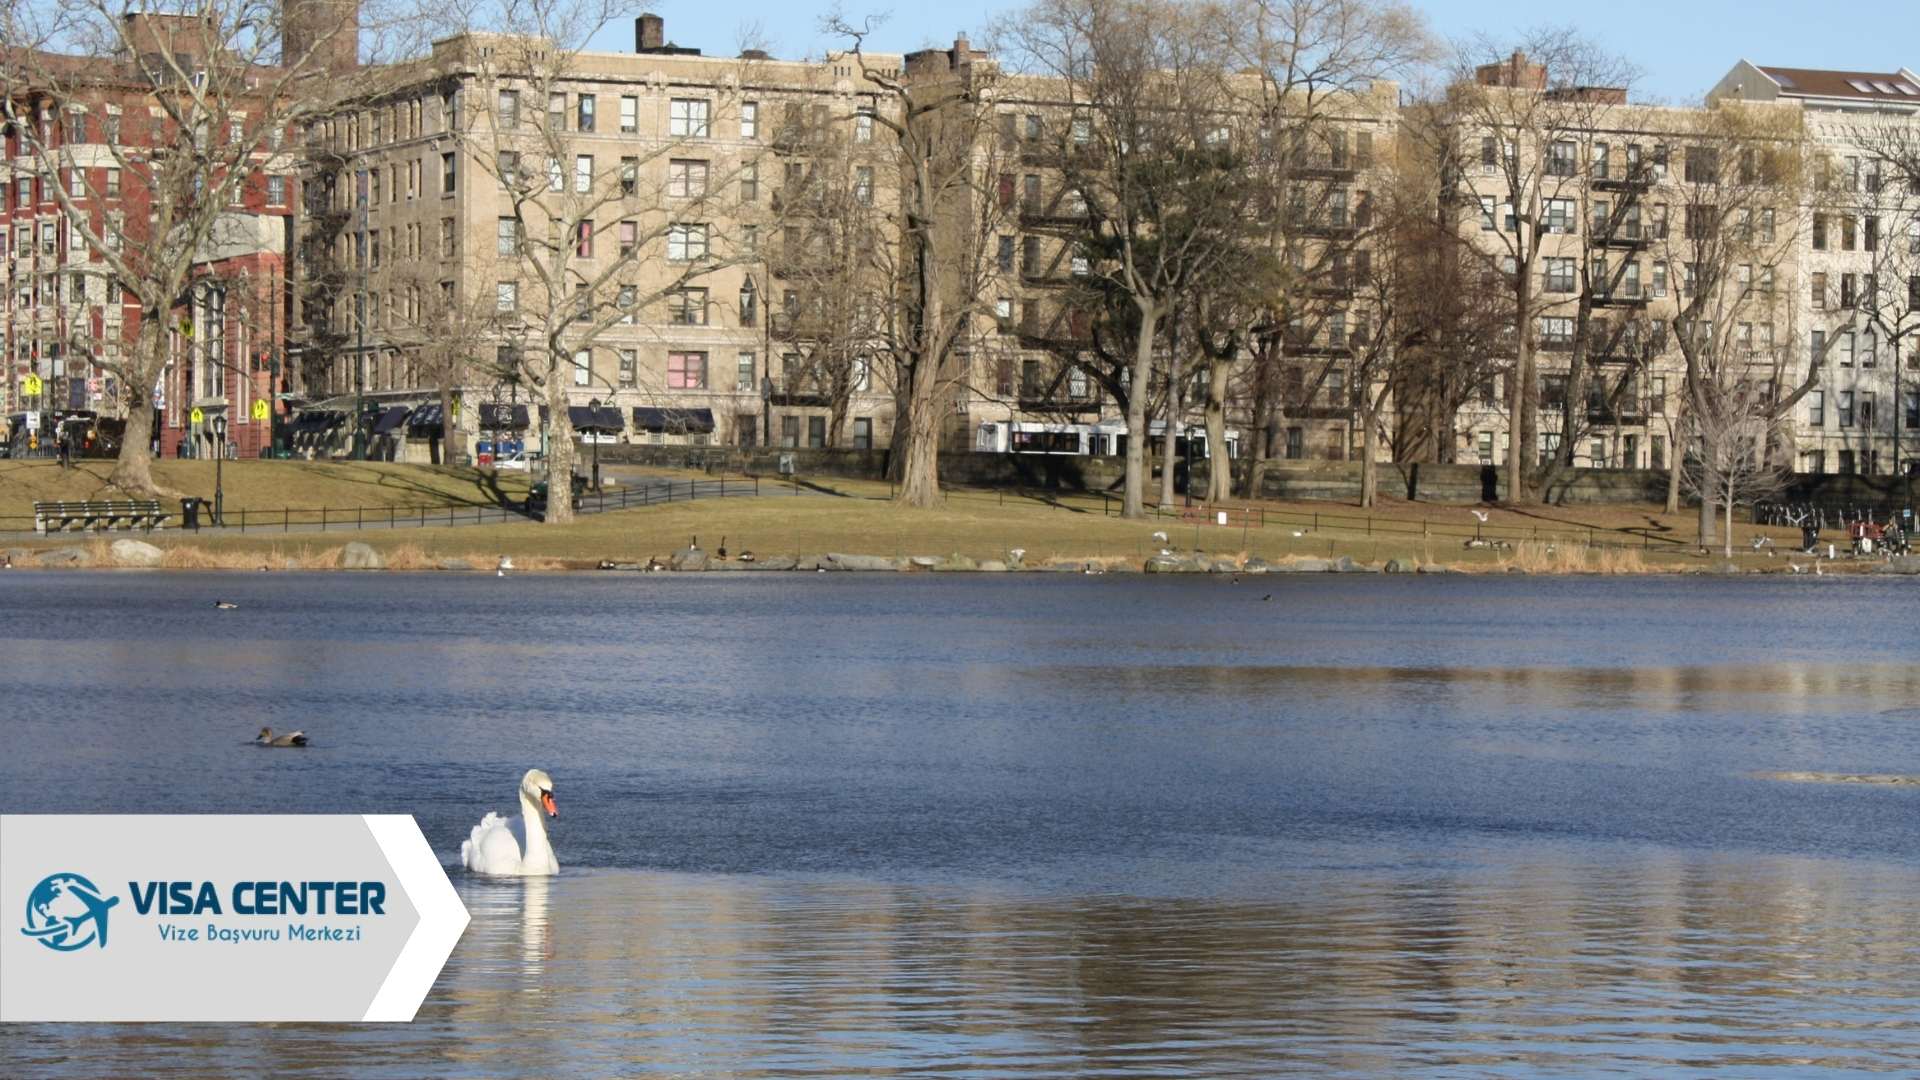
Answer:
(196, 415)
(260, 409)
(31, 386)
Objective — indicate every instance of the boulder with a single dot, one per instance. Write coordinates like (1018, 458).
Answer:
(691, 558)
(136, 553)
(1256, 565)
(923, 562)
(453, 564)
(358, 556)
(1059, 566)
(956, 563)
(771, 562)
(1399, 566)
(1345, 565)
(1902, 564)
(1222, 566)
(1724, 567)
(1176, 564)
(868, 563)
(1430, 568)
(991, 566)
(727, 564)
(66, 556)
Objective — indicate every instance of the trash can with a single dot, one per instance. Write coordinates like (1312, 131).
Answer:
(190, 513)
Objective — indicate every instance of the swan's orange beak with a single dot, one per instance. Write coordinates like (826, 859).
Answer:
(546, 801)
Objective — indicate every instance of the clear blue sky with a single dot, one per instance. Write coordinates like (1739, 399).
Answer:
(1682, 46)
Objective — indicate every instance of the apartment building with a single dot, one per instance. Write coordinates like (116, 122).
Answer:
(689, 187)
(1861, 258)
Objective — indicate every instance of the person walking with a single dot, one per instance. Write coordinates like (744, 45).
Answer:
(65, 443)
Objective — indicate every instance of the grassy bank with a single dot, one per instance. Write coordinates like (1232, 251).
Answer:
(265, 485)
(811, 518)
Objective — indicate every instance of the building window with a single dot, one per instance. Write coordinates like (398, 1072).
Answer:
(686, 370)
(816, 432)
(1556, 332)
(743, 373)
(506, 297)
(1560, 216)
(687, 118)
(449, 176)
(1818, 290)
(686, 179)
(506, 236)
(583, 240)
(686, 243)
(276, 187)
(749, 304)
(1560, 275)
(507, 164)
(863, 126)
(862, 433)
(1819, 232)
(863, 185)
(749, 119)
(583, 368)
(629, 368)
(687, 307)
(582, 173)
(1561, 156)
(507, 113)
(1816, 408)
(629, 114)
(629, 236)
(1846, 411)
(584, 112)
(447, 238)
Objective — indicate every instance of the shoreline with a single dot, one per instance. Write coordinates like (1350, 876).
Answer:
(126, 554)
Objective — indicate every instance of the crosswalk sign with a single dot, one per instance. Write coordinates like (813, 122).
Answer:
(31, 386)
(196, 415)
(260, 409)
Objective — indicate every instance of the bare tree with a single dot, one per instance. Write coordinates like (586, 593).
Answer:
(1529, 106)
(1740, 453)
(1148, 151)
(191, 112)
(935, 119)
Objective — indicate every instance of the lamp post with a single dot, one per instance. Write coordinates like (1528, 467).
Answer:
(219, 457)
(594, 430)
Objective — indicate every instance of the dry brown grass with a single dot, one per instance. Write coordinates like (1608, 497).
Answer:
(1536, 557)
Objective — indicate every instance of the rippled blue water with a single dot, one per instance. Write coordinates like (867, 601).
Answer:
(1033, 825)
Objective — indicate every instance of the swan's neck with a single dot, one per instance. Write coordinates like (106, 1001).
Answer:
(537, 847)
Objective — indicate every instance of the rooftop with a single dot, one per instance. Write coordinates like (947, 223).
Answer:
(1902, 86)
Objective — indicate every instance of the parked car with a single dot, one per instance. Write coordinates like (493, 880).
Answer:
(519, 461)
(537, 495)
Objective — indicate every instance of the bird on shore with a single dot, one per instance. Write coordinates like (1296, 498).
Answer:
(291, 738)
(1481, 514)
(505, 564)
(722, 549)
(1160, 536)
(1017, 553)
(1298, 533)
(746, 556)
(226, 605)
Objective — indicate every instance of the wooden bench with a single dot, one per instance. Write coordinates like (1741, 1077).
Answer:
(119, 513)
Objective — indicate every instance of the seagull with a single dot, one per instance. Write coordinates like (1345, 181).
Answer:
(1481, 514)
(291, 738)
(746, 556)
(1297, 533)
(1017, 553)
(226, 605)
(1761, 542)
(1160, 536)
(505, 564)
(1818, 571)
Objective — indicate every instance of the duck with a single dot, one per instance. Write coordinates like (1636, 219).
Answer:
(516, 847)
(746, 556)
(291, 738)
(226, 605)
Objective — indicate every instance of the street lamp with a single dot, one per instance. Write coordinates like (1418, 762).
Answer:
(219, 457)
(594, 428)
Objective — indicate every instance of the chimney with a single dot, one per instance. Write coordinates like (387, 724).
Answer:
(320, 35)
(651, 33)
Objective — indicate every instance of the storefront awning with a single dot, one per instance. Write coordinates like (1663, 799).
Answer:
(503, 416)
(426, 417)
(391, 417)
(695, 421)
(603, 419)
(319, 420)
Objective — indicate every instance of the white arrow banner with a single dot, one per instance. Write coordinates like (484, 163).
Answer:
(220, 917)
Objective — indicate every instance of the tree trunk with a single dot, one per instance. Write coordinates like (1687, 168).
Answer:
(133, 469)
(1673, 475)
(1521, 421)
(1219, 465)
(1369, 472)
(1262, 433)
(1133, 498)
(448, 429)
(1169, 444)
(1729, 536)
(560, 450)
(919, 477)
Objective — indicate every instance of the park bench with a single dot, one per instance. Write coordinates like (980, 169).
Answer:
(118, 513)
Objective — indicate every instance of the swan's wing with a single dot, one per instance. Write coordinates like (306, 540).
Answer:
(493, 848)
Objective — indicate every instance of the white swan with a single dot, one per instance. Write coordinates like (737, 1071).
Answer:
(515, 847)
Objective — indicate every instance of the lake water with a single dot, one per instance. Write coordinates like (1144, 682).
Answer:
(1036, 825)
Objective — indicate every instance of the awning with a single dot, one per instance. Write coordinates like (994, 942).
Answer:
(319, 420)
(606, 418)
(697, 421)
(391, 417)
(424, 417)
(503, 416)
